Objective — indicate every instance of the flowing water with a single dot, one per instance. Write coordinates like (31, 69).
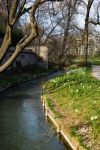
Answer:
(22, 121)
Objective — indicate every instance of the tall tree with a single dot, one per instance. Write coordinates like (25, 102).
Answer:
(86, 29)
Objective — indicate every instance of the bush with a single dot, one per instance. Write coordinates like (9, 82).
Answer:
(2, 30)
(73, 66)
(72, 56)
(17, 36)
(97, 54)
(84, 64)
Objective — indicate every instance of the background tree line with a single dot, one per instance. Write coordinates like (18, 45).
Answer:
(39, 22)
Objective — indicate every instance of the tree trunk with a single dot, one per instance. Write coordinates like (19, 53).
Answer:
(86, 33)
(66, 33)
(6, 42)
(11, 59)
(86, 36)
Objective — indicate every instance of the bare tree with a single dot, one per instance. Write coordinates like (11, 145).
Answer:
(14, 11)
(72, 6)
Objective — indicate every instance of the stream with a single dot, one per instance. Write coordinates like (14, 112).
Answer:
(23, 125)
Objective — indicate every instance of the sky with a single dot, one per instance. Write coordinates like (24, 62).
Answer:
(80, 19)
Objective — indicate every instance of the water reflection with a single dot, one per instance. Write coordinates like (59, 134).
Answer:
(22, 122)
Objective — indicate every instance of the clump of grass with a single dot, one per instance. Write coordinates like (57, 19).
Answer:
(77, 94)
(73, 66)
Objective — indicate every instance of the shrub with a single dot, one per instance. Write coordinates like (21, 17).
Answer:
(2, 30)
(17, 35)
(84, 64)
(97, 54)
(73, 66)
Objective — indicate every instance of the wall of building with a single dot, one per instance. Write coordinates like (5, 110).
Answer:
(30, 56)
(42, 52)
(22, 60)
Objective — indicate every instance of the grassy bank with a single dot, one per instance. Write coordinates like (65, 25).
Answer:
(75, 99)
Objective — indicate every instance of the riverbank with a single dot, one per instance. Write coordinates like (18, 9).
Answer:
(74, 100)
(7, 81)
(70, 142)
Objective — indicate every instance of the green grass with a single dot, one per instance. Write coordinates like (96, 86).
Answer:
(95, 60)
(77, 95)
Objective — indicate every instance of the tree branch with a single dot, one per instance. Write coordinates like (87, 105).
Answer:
(13, 11)
(20, 10)
(78, 28)
(95, 23)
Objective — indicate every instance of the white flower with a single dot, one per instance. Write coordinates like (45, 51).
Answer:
(94, 117)
(77, 90)
(76, 110)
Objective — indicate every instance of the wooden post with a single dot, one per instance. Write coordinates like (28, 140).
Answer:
(59, 128)
(47, 112)
(43, 103)
(78, 147)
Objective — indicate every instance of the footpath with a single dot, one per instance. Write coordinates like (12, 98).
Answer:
(96, 71)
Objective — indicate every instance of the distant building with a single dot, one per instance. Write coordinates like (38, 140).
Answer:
(93, 45)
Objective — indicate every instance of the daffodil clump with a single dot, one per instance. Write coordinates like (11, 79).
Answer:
(76, 97)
